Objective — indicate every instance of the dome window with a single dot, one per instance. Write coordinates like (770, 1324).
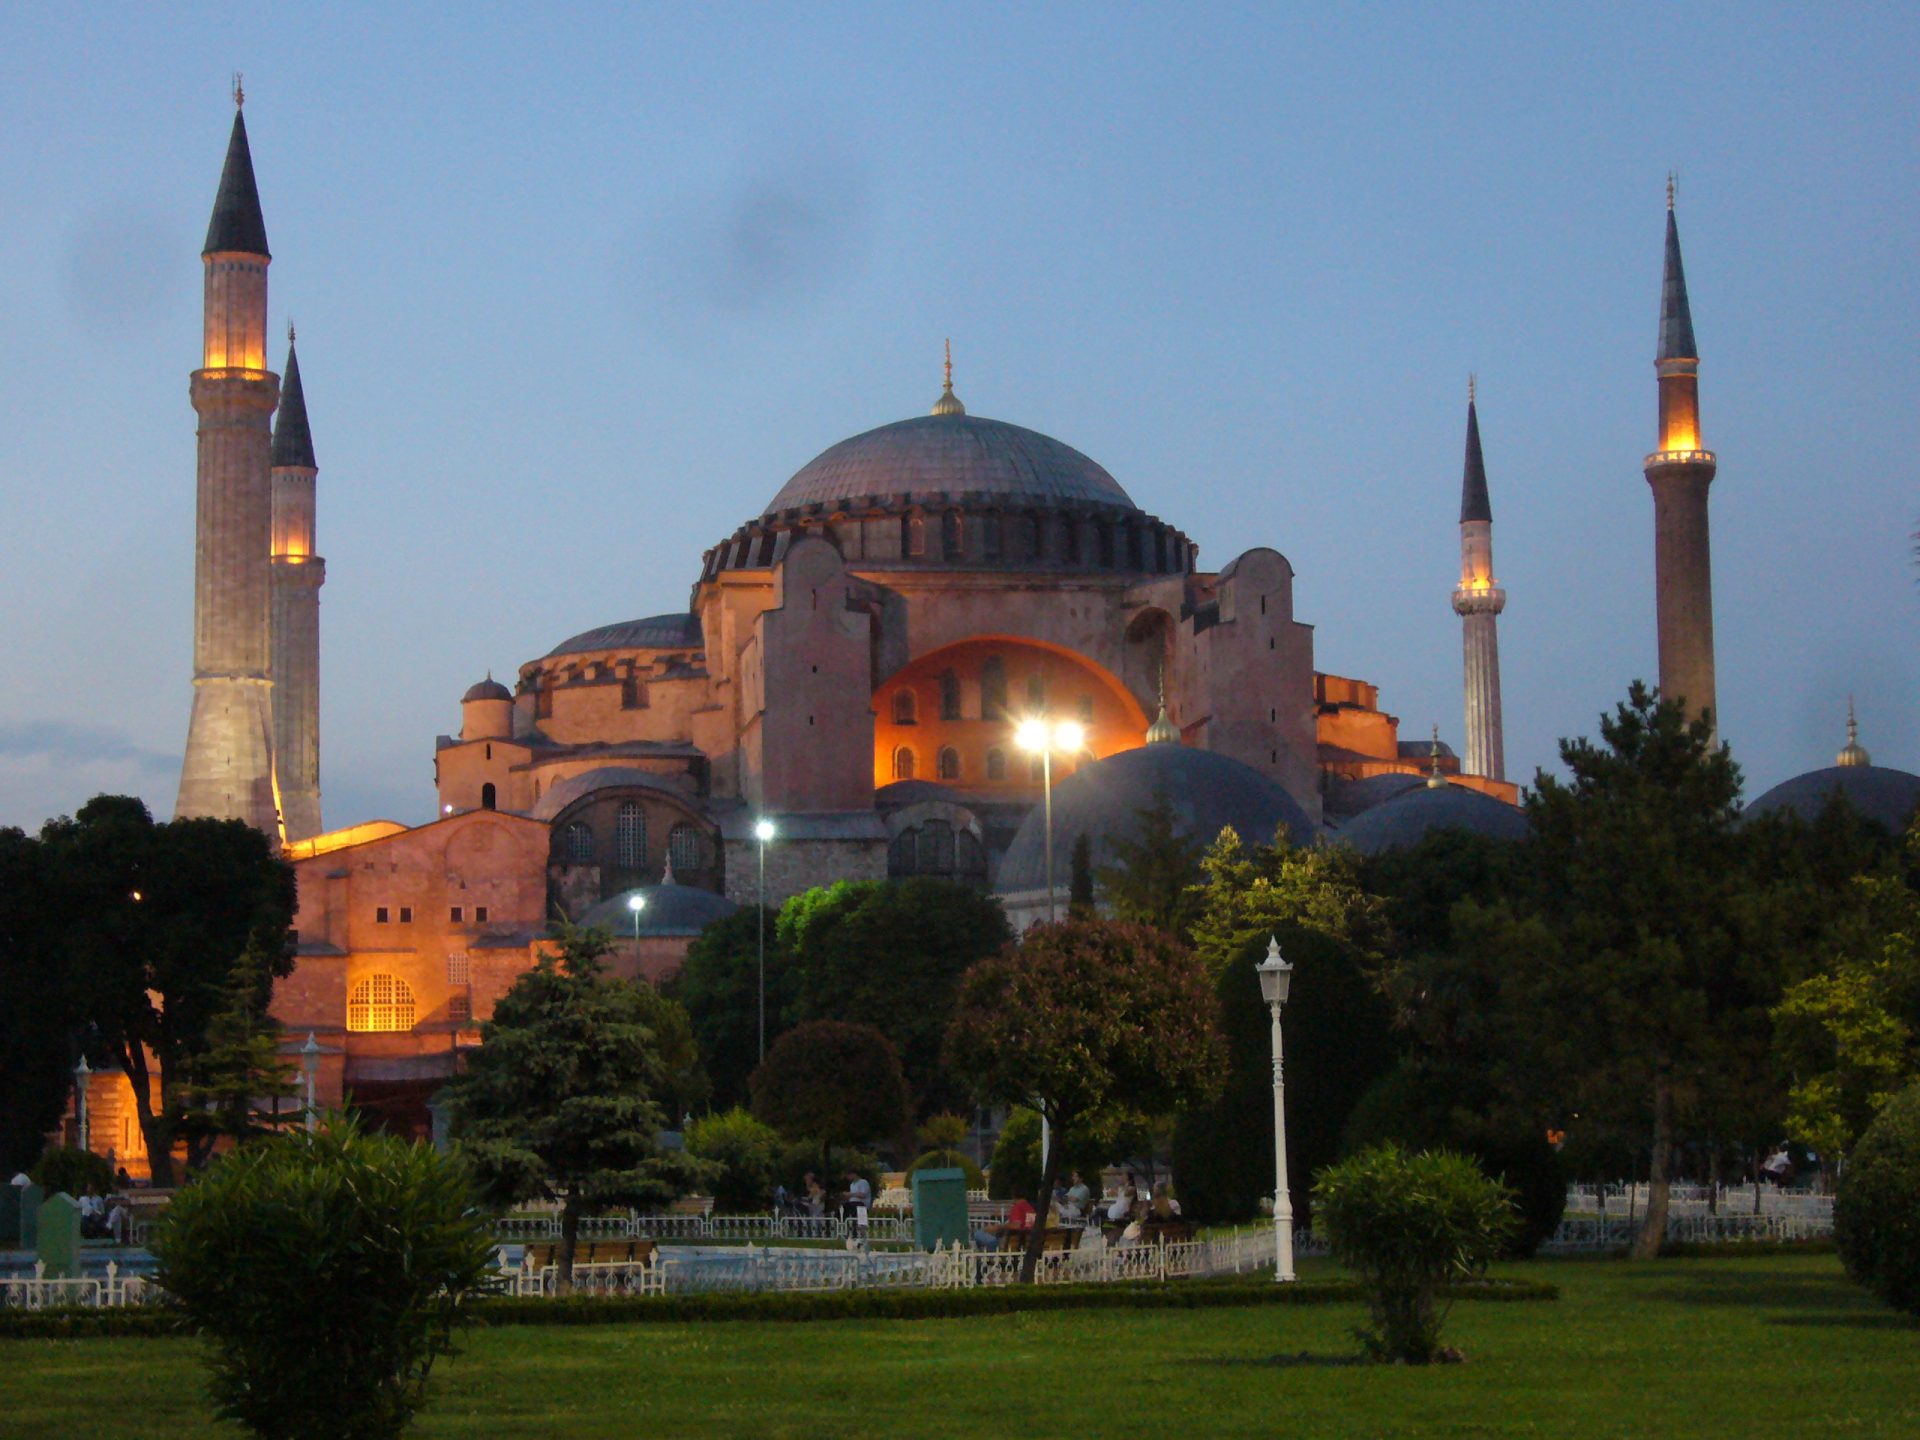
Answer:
(487, 794)
(903, 763)
(949, 763)
(684, 849)
(577, 844)
(380, 1003)
(952, 537)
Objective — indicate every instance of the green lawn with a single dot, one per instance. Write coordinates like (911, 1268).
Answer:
(1757, 1347)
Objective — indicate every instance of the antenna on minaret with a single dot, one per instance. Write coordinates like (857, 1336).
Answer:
(289, 330)
(1470, 387)
(1673, 177)
(239, 91)
(949, 365)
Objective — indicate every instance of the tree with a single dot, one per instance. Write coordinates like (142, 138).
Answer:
(155, 920)
(719, 986)
(561, 1101)
(36, 1054)
(1156, 874)
(831, 1083)
(1080, 882)
(241, 1064)
(329, 1270)
(890, 954)
(747, 1154)
(684, 1085)
(1081, 1016)
(1876, 1215)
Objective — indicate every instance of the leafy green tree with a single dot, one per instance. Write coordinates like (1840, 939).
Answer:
(831, 1083)
(719, 986)
(1156, 874)
(157, 919)
(561, 1101)
(69, 1168)
(1408, 1225)
(241, 1065)
(890, 955)
(1080, 1017)
(36, 1054)
(747, 1154)
(1876, 1215)
(684, 1086)
(329, 1271)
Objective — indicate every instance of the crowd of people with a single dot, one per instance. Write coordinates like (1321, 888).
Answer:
(1121, 1219)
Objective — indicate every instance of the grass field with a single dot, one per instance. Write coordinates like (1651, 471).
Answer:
(1761, 1346)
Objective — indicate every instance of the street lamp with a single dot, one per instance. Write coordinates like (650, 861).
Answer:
(763, 831)
(1276, 977)
(310, 1066)
(82, 1073)
(636, 903)
(1043, 737)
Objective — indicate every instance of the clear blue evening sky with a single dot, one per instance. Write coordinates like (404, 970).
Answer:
(577, 289)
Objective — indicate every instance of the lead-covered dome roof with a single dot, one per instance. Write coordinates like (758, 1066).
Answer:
(656, 632)
(955, 454)
(1408, 818)
(669, 910)
(1879, 792)
(1103, 800)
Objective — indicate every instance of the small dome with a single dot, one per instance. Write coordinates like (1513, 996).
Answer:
(1409, 817)
(1352, 797)
(487, 689)
(1103, 799)
(953, 453)
(669, 910)
(656, 632)
(1882, 794)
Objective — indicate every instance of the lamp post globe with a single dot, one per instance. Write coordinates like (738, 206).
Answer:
(636, 903)
(1039, 736)
(82, 1077)
(763, 831)
(1276, 979)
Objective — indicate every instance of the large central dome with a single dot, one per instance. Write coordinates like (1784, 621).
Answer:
(954, 453)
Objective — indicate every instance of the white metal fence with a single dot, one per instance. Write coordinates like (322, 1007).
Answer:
(885, 1229)
(111, 1289)
(1623, 1199)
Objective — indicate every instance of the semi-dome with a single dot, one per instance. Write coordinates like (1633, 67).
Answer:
(656, 632)
(1103, 799)
(954, 453)
(487, 689)
(669, 910)
(1878, 792)
(1409, 817)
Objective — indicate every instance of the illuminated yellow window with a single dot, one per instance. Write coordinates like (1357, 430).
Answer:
(380, 1002)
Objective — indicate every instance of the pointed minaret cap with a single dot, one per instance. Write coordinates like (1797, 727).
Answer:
(1435, 780)
(1474, 504)
(1163, 731)
(1676, 318)
(1854, 753)
(237, 225)
(948, 403)
(292, 440)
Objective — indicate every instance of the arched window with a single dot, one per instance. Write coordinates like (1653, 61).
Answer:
(684, 848)
(996, 764)
(990, 535)
(951, 547)
(993, 689)
(903, 763)
(380, 1002)
(904, 709)
(486, 796)
(949, 763)
(936, 848)
(630, 836)
(1036, 542)
(913, 535)
(577, 840)
(949, 695)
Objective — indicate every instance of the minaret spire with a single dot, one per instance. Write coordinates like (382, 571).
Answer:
(1854, 753)
(1478, 601)
(1680, 470)
(298, 573)
(228, 771)
(1435, 781)
(948, 403)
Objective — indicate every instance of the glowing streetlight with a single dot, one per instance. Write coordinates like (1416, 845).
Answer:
(763, 831)
(1043, 737)
(636, 903)
(82, 1075)
(1276, 978)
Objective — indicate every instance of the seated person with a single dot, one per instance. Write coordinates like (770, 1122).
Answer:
(1079, 1196)
(1164, 1206)
(1019, 1220)
(814, 1195)
(1122, 1206)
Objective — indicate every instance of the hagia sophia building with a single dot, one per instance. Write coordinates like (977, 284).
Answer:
(851, 672)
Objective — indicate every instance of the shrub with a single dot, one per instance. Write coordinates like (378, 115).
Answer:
(64, 1167)
(948, 1160)
(329, 1271)
(1407, 1225)
(1015, 1164)
(797, 1160)
(832, 1083)
(748, 1154)
(1876, 1216)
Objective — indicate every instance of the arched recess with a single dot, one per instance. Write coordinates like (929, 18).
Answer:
(1149, 650)
(971, 677)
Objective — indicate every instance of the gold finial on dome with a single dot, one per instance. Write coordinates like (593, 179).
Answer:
(1163, 731)
(948, 403)
(1853, 753)
(1434, 780)
(239, 91)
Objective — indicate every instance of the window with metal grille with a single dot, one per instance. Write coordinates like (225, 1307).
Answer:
(684, 848)
(459, 969)
(630, 836)
(380, 1002)
(904, 708)
(459, 1008)
(578, 842)
(949, 763)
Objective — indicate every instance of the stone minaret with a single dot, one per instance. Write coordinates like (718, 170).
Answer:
(228, 772)
(1680, 472)
(1478, 601)
(298, 574)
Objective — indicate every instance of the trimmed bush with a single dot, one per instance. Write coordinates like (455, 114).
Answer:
(65, 1167)
(797, 1160)
(1408, 1225)
(329, 1271)
(1876, 1215)
(1015, 1164)
(748, 1154)
(948, 1160)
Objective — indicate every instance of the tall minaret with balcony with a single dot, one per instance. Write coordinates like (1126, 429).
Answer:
(228, 770)
(1478, 601)
(1680, 472)
(298, 573)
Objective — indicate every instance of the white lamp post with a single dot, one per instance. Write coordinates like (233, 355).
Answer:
(1042, 737)
(636, 903)
(310, 1067)
(1276, 977)
(763, 831)
(82, 1073)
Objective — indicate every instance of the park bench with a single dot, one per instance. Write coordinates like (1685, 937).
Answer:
(1058, 1237)
(594, 1252)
